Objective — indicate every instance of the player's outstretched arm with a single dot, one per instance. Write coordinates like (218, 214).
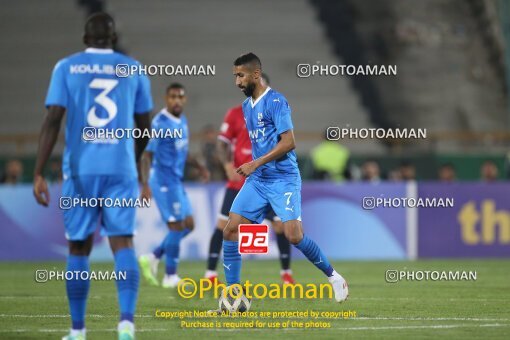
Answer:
(145, 167)
(286, 144)
(47, 139)
(143, 122)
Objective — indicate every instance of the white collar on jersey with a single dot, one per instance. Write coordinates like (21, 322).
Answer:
(170, 116)
(259, 98)
(98, 50)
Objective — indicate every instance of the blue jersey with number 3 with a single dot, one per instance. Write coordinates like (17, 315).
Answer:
(86, 85)
(266, 119)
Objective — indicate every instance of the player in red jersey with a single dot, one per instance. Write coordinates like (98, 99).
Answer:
(234, 148)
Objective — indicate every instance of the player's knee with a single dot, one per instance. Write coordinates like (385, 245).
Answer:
(221, 224)
(277, 226)
(120, 242)
(230, 231)
(293, 232)
(81, 248)
(78, 250)
(294, 239)
(176, 226)
(229, 234)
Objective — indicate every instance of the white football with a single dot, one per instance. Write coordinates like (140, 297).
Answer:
(235, 302)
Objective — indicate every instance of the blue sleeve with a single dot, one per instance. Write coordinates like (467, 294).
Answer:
(57, 91)
(143, 100)
(281, 115)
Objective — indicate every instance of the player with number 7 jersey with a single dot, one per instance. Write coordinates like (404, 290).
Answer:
(273, 178)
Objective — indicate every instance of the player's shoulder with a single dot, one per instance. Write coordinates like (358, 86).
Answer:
(274, 96)
(75, 58)
(64, 62)
(159, 118)
(275, 101)
(163, 117)
(84, 56)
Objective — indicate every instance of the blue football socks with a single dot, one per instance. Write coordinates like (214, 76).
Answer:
(315, 255)
(77, 290)
(172, 251)
(127, 290)
(232, 262)
(160, 250)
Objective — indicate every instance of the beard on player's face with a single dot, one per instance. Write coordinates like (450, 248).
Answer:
(248, 89)
(176, 109)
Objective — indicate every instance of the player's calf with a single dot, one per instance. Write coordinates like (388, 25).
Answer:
(127, 289)
(77, 289)
(293, 230)
(231, 256)
(172, 248)
(77, 293)
(230, 232)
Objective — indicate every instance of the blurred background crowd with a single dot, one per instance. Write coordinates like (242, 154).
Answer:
(329, 160)
(453, 75)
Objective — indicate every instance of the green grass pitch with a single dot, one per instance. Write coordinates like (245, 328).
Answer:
(414, 310)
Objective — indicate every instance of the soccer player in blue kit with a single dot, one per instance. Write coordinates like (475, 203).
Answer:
(84, 86)
(168, 158)
(273, 178)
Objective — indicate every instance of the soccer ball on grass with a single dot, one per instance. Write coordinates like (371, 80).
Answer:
(232, 300)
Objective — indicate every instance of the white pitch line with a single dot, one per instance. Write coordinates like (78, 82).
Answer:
(350, 298)
(356, 328)
(426, 319)
(420, 327)
(360, 318)
(50, 297)
(63, 330)
(145, 330)
(416, 299)
(56, 316)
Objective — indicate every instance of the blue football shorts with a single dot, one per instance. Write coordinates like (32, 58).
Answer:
(171, 199)
(257, 197)
(228, 199)
(81, 220)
